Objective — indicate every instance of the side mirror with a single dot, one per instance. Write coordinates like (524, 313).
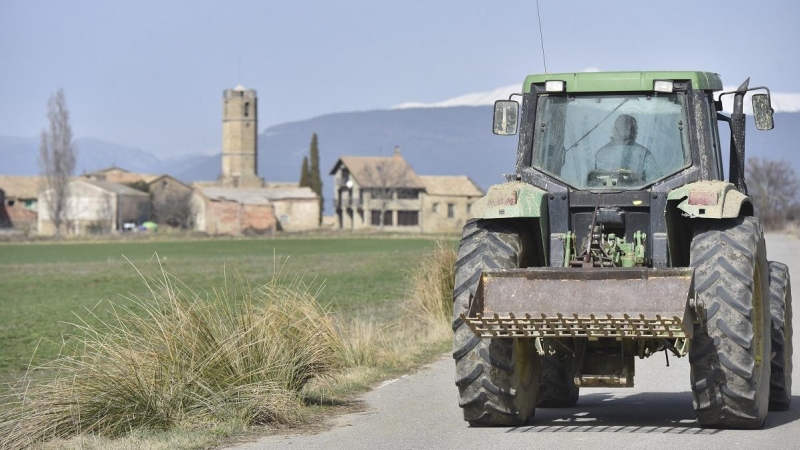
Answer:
(762, 112)
(506, 114)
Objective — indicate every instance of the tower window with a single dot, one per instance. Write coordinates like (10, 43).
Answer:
(247, 109)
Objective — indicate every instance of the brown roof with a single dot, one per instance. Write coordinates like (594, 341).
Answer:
(116, 188)
(380, 171)
(257, 196)
(459, 185)
(20, 187)
(118, 175)
(165, 176)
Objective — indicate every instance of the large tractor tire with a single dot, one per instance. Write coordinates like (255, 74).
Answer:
(557, 388)
(730, 352)
(497, 379)
(780, 305)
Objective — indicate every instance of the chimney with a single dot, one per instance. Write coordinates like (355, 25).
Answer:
(398, 153)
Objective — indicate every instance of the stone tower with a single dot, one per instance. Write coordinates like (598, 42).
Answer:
(240, 139)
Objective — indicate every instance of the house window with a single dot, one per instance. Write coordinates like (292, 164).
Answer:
(407, 218)
(469, 208)
(247, 109)
(376, 218)
(451, 210)
(378, 193)
(407, 194)
(435, 208)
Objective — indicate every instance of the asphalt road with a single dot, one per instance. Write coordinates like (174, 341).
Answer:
(420, 411)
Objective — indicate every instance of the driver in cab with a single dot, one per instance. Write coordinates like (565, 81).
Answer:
(622, 153)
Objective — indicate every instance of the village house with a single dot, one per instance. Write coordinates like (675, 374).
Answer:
(94, 207)
(377, 191)
(170, 202)
(19, 202)
(237, 211)
(447, 202)
(384, 192)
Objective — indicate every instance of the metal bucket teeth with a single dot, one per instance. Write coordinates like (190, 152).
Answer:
(511, 326)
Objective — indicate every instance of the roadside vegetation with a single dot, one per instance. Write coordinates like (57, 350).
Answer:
(178, 364)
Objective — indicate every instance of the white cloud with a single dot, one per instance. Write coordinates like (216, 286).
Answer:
(590, 69)
(781, 101)
(474, 99)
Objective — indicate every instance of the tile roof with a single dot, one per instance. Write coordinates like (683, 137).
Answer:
(20, 187)
(257, 196)
(119, 175)
(459, 185)
(115, 188)
(380, 171)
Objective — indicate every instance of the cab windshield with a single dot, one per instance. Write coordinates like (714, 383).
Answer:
(610, 141)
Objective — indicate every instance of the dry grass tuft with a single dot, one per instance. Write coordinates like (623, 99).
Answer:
(181, 358)
(424, 319)
(431, 296)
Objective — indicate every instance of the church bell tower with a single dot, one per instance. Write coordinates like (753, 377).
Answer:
(240, 139)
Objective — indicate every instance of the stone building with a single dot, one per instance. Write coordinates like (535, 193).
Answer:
(170, 201)
(240, 202)
(232, 211)
(237, 211)
(95, 207)
(372, 192)
(377, 191)
(447, 202)
(240, 139)
(20, 202)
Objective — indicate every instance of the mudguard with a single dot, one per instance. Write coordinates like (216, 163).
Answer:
(511, 200)
(711, 200)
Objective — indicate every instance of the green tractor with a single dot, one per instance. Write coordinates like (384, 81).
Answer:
(617, 238)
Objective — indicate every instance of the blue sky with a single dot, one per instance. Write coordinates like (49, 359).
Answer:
(150, 74)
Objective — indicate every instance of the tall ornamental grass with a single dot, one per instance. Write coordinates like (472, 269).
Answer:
(182, 358)
(430, 300)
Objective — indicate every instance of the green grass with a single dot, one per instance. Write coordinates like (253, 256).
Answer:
(43, 284)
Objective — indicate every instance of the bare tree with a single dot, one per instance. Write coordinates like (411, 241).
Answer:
(773, 187)
(388, 180)
(57, 159)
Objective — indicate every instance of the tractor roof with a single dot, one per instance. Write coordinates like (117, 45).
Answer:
(624, 81)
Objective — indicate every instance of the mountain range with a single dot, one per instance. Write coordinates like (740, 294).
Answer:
(435, 140)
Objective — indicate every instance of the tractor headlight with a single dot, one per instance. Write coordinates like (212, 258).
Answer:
(554, 86)
(663, 86)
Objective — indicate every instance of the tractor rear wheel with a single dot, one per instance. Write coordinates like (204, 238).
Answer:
(730, 351)
(780, 305)
(497, 379)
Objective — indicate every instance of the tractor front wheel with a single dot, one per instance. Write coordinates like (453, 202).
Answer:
(497, 379)
(730, 352)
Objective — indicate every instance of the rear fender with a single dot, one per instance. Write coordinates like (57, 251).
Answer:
(711, 200)
(511, 200)
(517, 200)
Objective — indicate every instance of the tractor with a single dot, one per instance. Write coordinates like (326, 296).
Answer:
(616, 238)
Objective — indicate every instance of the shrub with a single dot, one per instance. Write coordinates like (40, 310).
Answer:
(431, 288)
(180, 357)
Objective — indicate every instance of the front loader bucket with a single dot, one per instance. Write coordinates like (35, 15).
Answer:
(636, 302)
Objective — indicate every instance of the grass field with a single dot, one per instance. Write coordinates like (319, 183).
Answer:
(42, 285)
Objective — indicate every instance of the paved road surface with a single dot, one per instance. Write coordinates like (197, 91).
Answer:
(420, 411)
